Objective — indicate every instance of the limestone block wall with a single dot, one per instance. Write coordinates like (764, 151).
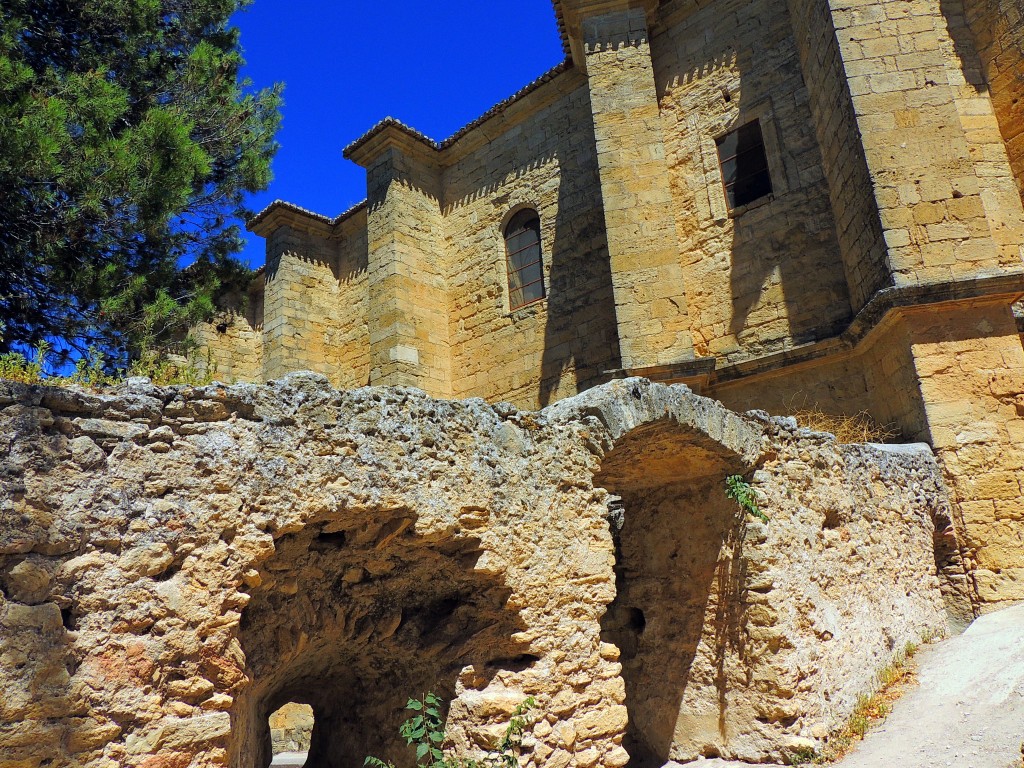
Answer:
(854, 207)
(997, 33)
(316, 300)
(176, 564)
(970, 366)
(555, 347)
(408, 306)
(940, 176)
(231, 346)
(761, 279)
(643, 244)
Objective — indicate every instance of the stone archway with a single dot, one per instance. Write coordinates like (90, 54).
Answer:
(679, 578)
(678, 565)
(353, 615)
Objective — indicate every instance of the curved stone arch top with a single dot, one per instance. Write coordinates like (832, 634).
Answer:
(654, 434)
(664, 454)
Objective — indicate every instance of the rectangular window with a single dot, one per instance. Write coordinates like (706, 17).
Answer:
(744, 165)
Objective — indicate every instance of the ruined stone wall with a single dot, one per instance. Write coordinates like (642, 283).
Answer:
(553, 348)
(177, 563)
(771, 275)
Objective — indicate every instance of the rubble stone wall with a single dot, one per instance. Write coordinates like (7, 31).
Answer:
(177, 563)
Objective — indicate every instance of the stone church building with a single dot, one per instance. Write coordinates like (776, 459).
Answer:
(780, 204)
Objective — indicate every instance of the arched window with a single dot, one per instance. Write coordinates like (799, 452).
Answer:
(523, 259)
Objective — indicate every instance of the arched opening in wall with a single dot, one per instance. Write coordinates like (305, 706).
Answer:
(291, 729)
(352, 616)
(677, 615)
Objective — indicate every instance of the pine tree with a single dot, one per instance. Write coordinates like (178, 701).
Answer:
(127, 145)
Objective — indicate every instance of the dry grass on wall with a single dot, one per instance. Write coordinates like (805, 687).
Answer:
(858, 428)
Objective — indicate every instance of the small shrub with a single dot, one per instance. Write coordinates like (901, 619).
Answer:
(16, 367)
(802, 756)
(871, 709)
(92, 372)
(742, 492)
(425, 731)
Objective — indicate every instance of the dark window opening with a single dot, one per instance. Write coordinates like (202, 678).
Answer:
(744, 165)
(523, 259)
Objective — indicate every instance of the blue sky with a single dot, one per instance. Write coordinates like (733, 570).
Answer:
(349, 63)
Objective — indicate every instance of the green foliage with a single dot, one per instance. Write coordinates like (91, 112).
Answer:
(425, 731)
(742, 492)
(93, 372)
(16, 367)
(802, 756)
(127, 146)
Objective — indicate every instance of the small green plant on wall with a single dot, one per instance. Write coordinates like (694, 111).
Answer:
(425, 731)
(742, 492)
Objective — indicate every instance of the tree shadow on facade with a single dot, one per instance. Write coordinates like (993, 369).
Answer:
(678, 613)
(353, 620)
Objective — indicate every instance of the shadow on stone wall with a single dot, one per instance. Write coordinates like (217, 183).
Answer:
(677, 615)
(581, 331)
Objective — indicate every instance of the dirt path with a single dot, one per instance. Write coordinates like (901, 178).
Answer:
(967, 711)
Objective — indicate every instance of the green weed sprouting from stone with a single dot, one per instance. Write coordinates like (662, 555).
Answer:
(425, 731)
(802, 756)
(742, 492)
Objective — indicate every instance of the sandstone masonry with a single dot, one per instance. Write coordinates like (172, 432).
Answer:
(879, 274)
(177, 563)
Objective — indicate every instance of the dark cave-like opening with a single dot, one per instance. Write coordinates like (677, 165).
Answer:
(353, 618)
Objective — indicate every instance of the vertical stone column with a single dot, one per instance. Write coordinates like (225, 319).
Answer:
(997, 31)
(969, 363)
(407, 284)
(939, 181)
(899, 82)
(300, 268)
(647, 278)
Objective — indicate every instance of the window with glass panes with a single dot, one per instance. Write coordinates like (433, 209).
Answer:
(744, 165)
(523, 259)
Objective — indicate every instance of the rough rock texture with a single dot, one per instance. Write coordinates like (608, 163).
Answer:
(178, 563)
(291, 728)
